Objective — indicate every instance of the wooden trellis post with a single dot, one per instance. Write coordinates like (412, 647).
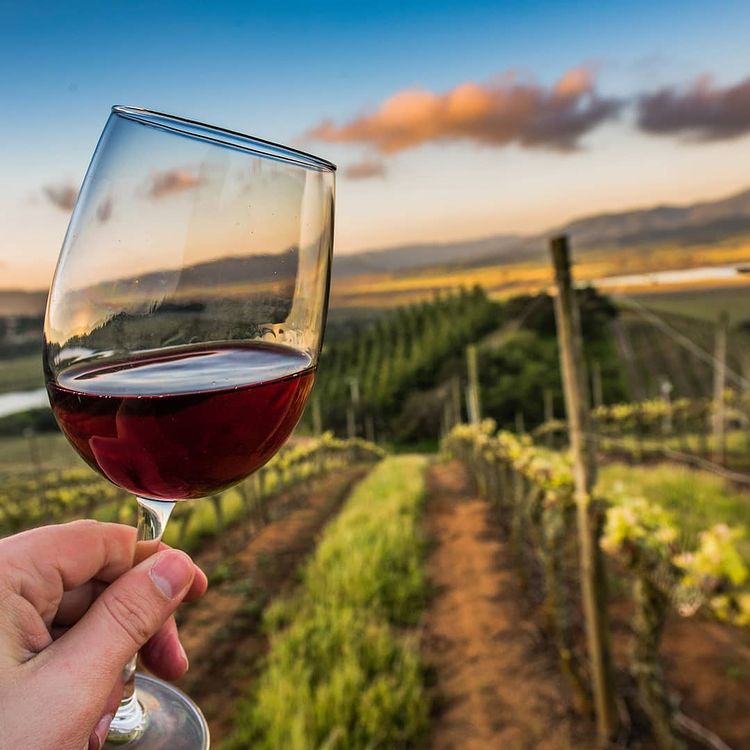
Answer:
(583, 448)
(456, 398)
(597, 391)
(720, 384)
(474, 402)
(317, 417)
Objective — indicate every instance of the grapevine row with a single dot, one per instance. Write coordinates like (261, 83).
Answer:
(398, 353)
(534, 490)
(53, 497)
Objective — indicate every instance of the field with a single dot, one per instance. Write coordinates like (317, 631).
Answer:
(46, 451)
(21, 373)
(504, 280)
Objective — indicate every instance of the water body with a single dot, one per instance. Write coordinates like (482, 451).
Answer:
(11, 403)
(679, 276)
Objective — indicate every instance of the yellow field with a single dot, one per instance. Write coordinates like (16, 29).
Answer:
(387, 290)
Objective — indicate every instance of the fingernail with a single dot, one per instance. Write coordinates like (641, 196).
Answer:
(171, 573)
(100, 732)
(184, 656)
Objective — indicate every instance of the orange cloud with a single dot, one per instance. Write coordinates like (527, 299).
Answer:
(703, 110)
(62, 196)
(365, 169)
(173, 181)
(497, 114)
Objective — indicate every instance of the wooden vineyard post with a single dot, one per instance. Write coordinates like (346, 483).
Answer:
(720, 384)
(317, 418)
(369, 429)
(549, 405)
(597, 391)
(474, 403)
(351, 424)
(583, 449)
(456, 398)
(549, 414)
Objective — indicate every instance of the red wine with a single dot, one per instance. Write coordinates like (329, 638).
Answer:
(183, 422)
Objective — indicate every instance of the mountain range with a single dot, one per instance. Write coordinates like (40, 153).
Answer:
(694, 224)
(686, 226)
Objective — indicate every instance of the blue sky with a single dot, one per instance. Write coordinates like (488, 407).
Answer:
(278, 70)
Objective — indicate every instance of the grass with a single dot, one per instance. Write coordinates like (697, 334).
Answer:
(737, 442)
(341, 673)
(203, 523)
(700, 303)
(46, 451)
(21, 373)
(737, 456)
(698, 500)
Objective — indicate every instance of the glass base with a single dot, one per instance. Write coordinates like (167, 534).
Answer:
(169, 720)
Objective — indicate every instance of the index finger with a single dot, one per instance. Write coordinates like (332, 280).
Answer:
(42, 563)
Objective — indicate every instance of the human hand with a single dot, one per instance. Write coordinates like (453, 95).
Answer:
(73, 611)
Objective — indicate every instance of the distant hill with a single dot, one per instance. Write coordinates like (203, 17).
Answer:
(410, 257)
(697, 223)
(634, 231)
(18, 302)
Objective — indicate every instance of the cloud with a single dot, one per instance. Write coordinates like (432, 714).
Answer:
(173, 181)
(506, 111)
(62, 196)
(363, 170)
(702, 110)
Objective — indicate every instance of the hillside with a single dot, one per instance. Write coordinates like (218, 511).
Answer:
(686, 226)
(19, 302)
(681, 236)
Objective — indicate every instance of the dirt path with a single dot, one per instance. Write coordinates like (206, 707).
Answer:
(497, 684)
(222, 633)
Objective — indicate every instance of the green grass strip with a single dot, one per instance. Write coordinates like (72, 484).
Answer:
(342, 672)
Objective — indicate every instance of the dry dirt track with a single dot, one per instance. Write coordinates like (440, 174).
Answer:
(497, 686)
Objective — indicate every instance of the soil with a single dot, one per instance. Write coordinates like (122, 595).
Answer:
(497, 683)
(707, 666)
(248, 567)
(497, 680)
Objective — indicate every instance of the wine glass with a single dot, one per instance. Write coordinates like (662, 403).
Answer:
(183, 330)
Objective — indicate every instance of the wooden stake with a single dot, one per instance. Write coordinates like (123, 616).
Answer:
(549, 415)
(549, 405)
(370, 428)
(353, 408)
(475, 404)
(520, 424)
(317, 417)
(720, 384)
(593, 580)
(597, 391)
(456, 398)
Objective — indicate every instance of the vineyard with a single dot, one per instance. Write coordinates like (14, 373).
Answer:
(414, 569)
(534, 490)
(366, 375)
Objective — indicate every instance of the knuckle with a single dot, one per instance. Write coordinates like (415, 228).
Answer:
(130, 618)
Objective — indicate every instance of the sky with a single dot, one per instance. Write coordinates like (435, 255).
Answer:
(448, 120)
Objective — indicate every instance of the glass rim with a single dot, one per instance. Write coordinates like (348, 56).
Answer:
(224, 137)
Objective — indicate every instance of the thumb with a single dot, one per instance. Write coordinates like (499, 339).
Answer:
(126, 615)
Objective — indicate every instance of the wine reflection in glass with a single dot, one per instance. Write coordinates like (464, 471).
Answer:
(183, 330)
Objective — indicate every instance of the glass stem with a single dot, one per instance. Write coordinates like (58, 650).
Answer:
(130, 720)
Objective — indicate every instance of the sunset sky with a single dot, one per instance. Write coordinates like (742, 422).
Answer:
(447, 120)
